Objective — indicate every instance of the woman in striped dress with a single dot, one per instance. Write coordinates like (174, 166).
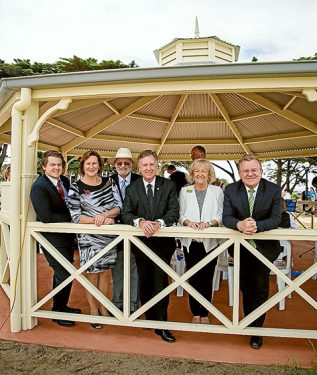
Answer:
(94, 200)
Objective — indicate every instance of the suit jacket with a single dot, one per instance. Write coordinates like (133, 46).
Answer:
(115, 178)
(51, 208)
(266, 212)
(136, 204)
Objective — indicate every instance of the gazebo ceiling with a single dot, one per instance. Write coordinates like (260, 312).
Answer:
(271, 122)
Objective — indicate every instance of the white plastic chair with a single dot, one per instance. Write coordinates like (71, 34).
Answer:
(284, 264)
(178, 265)
(224, 265)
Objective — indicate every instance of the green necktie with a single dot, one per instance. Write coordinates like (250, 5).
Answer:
(251, 205)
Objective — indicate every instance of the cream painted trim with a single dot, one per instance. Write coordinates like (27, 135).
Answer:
(5, 111)
(311, 95)
(34, 135)
(200, 120)
(168, 129)
(289, 115)
(230, 123)
(179, 87)
(109, 121)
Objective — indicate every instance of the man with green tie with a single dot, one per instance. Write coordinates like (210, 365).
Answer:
(253, 205)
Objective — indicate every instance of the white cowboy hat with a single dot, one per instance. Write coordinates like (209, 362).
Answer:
(122, 153)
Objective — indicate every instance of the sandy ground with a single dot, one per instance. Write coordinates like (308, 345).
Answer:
(16, 358)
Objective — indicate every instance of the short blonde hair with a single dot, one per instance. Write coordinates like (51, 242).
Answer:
(201, 163)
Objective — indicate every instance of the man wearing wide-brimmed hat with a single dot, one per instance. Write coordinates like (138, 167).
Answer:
(123, 162)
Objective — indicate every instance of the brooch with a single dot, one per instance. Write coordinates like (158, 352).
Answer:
(189, 190)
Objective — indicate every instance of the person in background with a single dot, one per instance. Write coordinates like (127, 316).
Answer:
(178, 177)
(94, 200)
(49, 196)
(198, 152)
(253, 205)
(123, 163)
(6, 174)
(219, 183)
(201, 207)
(286, 194)
(151, 203)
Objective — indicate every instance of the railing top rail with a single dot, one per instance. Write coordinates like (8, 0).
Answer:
(174, 231)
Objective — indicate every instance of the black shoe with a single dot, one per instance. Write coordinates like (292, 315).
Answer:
(165, 335)
(72, 310)
(64, 323)
(256, 342)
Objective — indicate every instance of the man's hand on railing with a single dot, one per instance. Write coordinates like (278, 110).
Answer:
(149, 227)
(247, 226)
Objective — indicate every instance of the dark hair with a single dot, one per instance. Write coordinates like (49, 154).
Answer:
(53, 154)
(200, 149)
(171, 167)
(146, 153)
(86, 156)
(314, 182)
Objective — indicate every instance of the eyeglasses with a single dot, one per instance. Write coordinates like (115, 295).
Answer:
(126, 163)
(252, 171)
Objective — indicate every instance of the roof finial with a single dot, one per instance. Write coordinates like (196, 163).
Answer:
(196, 28)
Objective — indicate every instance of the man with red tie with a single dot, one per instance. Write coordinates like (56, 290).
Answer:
(49, 195)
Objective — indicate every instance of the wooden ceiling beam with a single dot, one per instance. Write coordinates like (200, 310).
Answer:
(251, 115)
(278, 137)
(65, 127)
(139, 103)
(289, 115)
(230, 123)
(168, 129)
(112, 107)
(150, 118)
(289, 102)
(117, 138)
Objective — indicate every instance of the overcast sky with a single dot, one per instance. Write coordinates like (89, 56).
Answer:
(44, 31)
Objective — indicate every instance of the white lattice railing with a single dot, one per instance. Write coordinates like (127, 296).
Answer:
(233, 325)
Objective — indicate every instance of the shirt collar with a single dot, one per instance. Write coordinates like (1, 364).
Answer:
(255, 189)
(152, 183)
(127, 179)
(54, 181)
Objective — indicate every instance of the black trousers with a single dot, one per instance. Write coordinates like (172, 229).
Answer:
(60, 299)
(254, 284)
(152, 279)
(201, 280)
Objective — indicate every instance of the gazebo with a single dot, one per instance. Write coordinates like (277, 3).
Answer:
(231, 109)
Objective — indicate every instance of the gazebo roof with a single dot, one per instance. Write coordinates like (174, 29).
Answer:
(266, 108)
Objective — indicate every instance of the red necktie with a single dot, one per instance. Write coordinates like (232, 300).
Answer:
(60, 190)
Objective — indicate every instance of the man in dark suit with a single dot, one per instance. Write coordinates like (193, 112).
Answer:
(252, 205)
(123, 163)
(178, 177)
(48, 195)
(150, 203)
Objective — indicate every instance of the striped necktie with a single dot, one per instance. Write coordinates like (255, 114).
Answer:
(60, 190)
(150, 198)
(251, 205)
(122, 188)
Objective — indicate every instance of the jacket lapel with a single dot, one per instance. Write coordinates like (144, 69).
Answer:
(258, 198)
(244, 200)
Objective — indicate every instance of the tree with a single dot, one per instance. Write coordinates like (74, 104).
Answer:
(290, 173)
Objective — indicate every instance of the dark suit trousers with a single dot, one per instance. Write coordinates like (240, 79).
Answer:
(254, 284)
(201, 280)
(60, 299)
(152, 279)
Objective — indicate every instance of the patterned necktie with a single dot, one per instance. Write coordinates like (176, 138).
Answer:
(150, 198)
(60, 190)
(122, 188)
(251, 205)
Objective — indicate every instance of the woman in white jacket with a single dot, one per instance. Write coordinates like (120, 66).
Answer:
(200, 207)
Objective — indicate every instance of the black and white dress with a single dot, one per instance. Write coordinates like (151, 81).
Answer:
(90, 201)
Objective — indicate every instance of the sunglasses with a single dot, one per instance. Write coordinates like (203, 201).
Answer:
(126, 163)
